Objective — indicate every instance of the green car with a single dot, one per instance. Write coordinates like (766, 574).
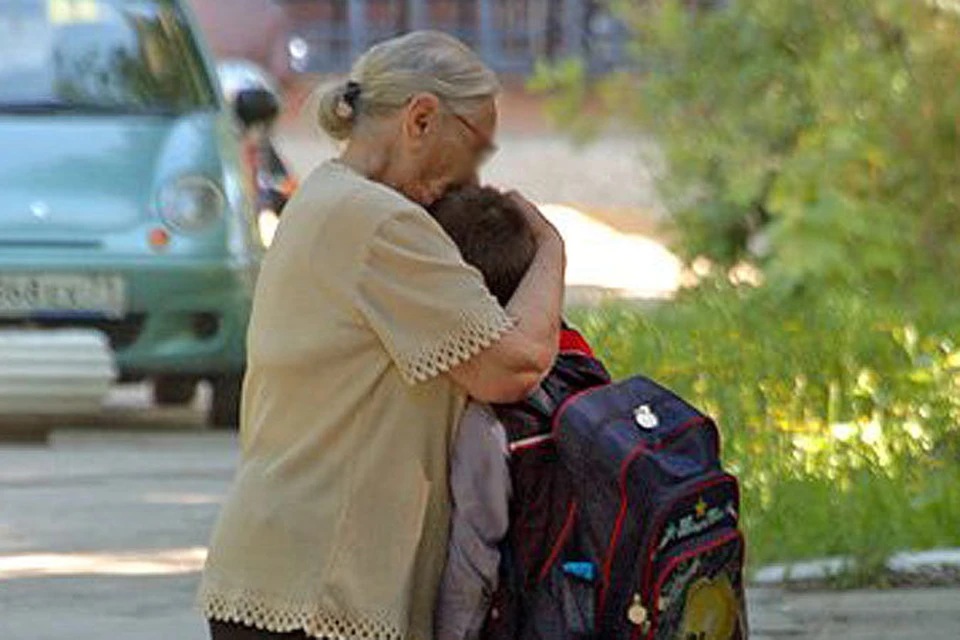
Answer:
(126, 206)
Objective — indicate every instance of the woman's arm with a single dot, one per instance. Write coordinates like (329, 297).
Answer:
(511, 368)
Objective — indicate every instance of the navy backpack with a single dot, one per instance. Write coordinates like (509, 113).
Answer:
(623, 523)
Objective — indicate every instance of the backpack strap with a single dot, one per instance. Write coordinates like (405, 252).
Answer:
(542, 407)
(529, 423)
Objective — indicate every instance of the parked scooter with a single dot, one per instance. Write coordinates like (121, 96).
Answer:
(249, 89)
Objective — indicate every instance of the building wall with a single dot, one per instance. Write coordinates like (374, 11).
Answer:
(509, 34)
(252, 29)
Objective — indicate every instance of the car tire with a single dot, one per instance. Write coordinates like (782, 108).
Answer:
(174, 390)
(225, 404)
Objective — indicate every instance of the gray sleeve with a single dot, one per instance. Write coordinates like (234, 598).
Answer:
(480, 488)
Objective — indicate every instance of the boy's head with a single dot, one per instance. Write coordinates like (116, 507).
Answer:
(492, 234)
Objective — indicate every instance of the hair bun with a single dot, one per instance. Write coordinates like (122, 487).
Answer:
(347, 106)
(336, 109)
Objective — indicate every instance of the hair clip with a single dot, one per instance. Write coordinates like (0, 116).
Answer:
(348, 104)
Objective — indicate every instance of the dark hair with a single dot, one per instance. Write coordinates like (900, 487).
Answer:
(492, 233)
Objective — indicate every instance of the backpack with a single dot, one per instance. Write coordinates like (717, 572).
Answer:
(623, 523)
(528, 602)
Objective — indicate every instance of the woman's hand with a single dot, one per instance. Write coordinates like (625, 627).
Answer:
(512, 367)
(543, 229)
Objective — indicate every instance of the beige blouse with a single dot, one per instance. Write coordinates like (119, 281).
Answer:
(337, 520)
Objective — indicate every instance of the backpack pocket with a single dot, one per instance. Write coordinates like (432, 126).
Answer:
(697, 593)
(564, 605)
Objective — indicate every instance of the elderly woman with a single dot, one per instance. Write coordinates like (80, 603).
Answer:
(368, 333)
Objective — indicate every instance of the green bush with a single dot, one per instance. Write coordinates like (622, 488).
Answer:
(819, 140)
(840, 417)
(819, 137)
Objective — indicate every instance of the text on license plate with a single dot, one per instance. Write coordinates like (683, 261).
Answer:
(32, 294)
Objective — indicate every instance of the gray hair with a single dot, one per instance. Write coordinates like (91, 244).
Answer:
(389, 74)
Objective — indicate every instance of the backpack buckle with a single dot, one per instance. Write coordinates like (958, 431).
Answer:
(645, 417)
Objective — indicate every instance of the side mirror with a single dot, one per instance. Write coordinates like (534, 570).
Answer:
(256, 106)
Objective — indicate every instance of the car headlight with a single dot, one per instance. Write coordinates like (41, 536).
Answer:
(190, 203)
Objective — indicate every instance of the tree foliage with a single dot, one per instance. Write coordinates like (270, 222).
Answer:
(821, 138)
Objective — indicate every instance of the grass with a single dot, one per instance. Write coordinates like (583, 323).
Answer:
(839, 413)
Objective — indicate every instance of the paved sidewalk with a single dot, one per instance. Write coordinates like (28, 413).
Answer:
(916, 614)
(102, 534)
(72, 514)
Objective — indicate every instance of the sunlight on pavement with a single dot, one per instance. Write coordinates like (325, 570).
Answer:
(600, 256)
(183, 498)
(161, 562)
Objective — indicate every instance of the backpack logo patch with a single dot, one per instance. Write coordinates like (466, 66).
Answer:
(703, 517)
(711, 610)
(645, 417)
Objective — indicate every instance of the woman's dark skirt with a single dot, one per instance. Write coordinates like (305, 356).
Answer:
(233, 631)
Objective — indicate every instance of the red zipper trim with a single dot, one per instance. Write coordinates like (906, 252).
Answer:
(733, 535)
(621, 516)
(555, 423)
(651, 550)
(696, 421)
(561, 540)
(618, 525)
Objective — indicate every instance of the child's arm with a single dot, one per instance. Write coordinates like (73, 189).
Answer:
(480, 488)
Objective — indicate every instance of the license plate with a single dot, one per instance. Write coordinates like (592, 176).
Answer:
(51, 293)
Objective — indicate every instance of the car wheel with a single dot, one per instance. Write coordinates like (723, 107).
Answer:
(174, 390)
(225, 405)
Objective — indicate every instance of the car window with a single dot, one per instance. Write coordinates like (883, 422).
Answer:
(100, 55)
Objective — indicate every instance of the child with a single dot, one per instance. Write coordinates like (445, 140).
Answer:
(488, 487)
